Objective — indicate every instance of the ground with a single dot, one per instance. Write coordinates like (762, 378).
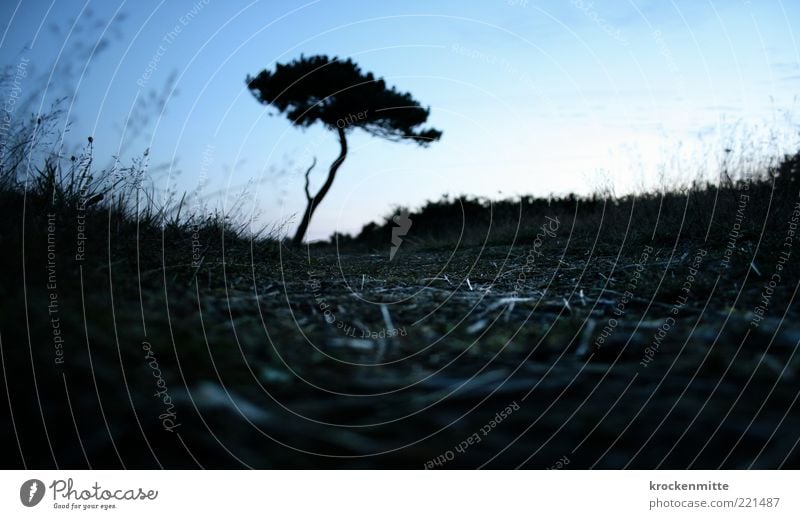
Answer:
(552, 353)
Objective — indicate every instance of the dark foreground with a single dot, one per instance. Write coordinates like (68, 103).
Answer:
(556, 352)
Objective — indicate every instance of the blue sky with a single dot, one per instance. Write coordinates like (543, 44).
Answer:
(533, 96)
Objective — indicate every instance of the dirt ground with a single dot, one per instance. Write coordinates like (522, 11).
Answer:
(550, 354)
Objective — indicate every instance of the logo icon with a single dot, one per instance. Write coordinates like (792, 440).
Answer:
(31, 492)
(403, 224)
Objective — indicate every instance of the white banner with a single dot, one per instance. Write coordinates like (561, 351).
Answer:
(398, 494)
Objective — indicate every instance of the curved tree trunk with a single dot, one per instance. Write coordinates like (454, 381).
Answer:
(314, 201)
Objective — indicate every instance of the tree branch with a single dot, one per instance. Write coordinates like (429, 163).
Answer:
(308, 172)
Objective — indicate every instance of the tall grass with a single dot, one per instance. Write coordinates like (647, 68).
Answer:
(118, 207)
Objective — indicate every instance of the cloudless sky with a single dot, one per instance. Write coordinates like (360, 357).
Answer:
(533, 97)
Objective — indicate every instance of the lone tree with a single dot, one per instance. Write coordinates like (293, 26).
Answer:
(339, 95)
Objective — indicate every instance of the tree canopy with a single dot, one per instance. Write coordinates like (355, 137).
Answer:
(339, 95)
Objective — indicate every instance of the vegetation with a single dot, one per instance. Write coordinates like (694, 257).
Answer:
(601, 332)
(698, 212)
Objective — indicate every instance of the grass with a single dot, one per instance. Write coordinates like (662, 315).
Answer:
(139, 334)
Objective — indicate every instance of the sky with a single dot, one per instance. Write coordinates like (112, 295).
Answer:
(533, 97)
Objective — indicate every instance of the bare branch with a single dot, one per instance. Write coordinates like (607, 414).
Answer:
(308, 172)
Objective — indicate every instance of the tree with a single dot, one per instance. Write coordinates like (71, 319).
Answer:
(340, 96)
